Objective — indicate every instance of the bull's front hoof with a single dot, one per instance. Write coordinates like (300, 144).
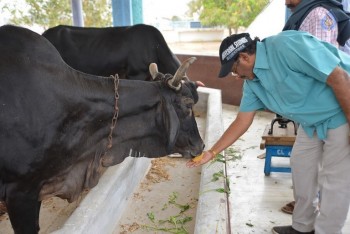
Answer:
(3, 209)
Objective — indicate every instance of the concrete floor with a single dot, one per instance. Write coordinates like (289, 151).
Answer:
(256, 199)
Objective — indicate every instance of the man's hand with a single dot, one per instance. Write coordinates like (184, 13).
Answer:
(205, 157)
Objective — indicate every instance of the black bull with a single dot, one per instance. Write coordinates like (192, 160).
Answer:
(127, 51)
(56, 130)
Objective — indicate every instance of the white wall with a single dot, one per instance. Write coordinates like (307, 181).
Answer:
(270, 21)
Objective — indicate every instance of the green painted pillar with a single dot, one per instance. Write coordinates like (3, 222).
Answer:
(137, 13)
(127, 12)
(121, 12)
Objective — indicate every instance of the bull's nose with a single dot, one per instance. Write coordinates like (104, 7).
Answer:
(198, 151)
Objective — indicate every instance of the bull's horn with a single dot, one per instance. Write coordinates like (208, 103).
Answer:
(175, 82)
(153, 69)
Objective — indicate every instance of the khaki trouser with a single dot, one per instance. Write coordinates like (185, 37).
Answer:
(321, 167)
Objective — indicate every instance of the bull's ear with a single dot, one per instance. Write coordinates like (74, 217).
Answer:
(153, 70)
(200, 83)
(172, 125)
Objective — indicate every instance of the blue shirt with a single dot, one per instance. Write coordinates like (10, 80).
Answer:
(291, 70)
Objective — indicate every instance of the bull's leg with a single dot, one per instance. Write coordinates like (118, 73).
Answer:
(23, 210)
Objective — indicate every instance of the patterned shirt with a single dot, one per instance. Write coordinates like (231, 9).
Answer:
(321, 23)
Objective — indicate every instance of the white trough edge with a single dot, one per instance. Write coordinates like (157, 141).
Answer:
(212, 210)
(103, 206)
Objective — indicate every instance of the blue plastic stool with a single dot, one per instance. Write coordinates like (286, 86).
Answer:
(276, 151)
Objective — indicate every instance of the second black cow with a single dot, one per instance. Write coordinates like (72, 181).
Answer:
(127, 51)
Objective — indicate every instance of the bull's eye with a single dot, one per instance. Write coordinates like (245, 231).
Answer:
(186, 106)
(189, 107)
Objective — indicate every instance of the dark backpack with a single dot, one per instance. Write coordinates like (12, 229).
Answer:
(335, 8)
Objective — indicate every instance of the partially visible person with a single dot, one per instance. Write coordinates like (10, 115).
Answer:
(284, 74)
(316, 18)
(325, 19)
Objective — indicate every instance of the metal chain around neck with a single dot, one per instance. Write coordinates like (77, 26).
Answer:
(116, 109)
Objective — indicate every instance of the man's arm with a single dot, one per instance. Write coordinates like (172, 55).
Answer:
(237, 128)
(339, 81)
